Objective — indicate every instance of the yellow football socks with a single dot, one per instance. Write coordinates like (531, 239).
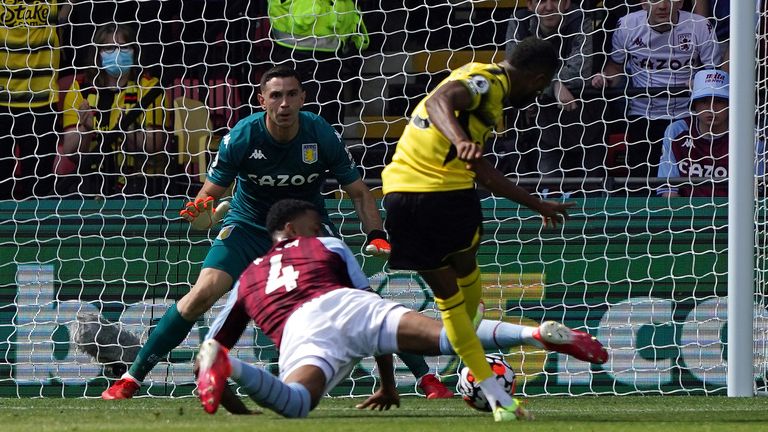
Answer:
(472, 288)
(461, 334)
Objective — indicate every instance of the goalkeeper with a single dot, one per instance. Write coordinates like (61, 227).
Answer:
(434, 217)
(282, 153)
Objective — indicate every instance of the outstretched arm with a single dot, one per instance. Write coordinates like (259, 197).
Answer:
(365, 205)
(493, 180)
(201, 212)
(386, 395)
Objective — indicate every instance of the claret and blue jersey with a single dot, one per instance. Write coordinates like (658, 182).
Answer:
(268, 171)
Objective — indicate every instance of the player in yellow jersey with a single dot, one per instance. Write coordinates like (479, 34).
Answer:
(96, 104)
(29, 64)
(433, 211)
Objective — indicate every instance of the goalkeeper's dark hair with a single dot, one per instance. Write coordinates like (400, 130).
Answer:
(285, 211)
(280, 71)
(534, 55)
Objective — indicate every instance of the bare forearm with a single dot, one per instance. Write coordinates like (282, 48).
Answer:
(72, 141)
(145, 141)
(386, 370)
(496, 183)
(365, 205)
(368, 213)
(612, 72)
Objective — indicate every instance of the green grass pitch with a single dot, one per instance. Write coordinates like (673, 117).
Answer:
(600, 414)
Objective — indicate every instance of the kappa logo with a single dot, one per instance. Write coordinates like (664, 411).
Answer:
(638, 42)
(257, 154)
(688, 143)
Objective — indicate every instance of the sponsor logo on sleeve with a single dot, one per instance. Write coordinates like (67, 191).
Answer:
(225, 232)
(478, 84)
(351, 159)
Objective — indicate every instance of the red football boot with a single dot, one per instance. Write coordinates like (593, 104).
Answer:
(581, 345)
(124, 388)
(214, 369)
(433, 388)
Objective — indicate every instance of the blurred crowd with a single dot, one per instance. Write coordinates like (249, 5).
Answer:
(87, 89)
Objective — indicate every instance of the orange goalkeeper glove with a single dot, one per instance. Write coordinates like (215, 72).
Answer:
(202, 215)
(377, 244)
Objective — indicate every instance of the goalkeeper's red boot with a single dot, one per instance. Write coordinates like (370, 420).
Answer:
(581, 345)
(433, 388)
(124, 388)
(213, 361)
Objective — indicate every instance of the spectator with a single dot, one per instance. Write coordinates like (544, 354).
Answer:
(568, 128)
(322, 41)
(109, 91)
(29, 56)
(661, 46)
(719, 14)
(698, 146)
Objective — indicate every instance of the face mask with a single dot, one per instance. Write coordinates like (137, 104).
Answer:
(117, 62)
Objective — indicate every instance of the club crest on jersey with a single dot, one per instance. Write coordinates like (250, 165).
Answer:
(225, 232)
(309, 153)
(684, 41)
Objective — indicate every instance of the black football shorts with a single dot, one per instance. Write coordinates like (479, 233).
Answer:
(424, 228)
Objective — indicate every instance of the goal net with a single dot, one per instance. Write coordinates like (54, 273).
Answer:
(645, 274)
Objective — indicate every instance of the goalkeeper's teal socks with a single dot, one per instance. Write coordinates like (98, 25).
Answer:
(169, 333)
(495, 335)
(416, 364)
(290, 400)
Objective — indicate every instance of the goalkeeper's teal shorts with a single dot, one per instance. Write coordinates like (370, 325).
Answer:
(235, 247)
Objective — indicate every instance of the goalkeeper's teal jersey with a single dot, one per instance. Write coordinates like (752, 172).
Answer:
(268, 171)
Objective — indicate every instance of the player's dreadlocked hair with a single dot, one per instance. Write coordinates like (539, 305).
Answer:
(535, 55)
(281, 71)
(285, 211)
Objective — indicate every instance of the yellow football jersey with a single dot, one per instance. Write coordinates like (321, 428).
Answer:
(29, 57)
(425, 160)
(123, 101)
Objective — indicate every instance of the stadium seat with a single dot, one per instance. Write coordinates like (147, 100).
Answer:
(193, 130)
(184, 87)
(223, 102)
(616, 154)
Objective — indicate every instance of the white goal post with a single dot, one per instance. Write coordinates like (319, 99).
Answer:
(662, 282)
